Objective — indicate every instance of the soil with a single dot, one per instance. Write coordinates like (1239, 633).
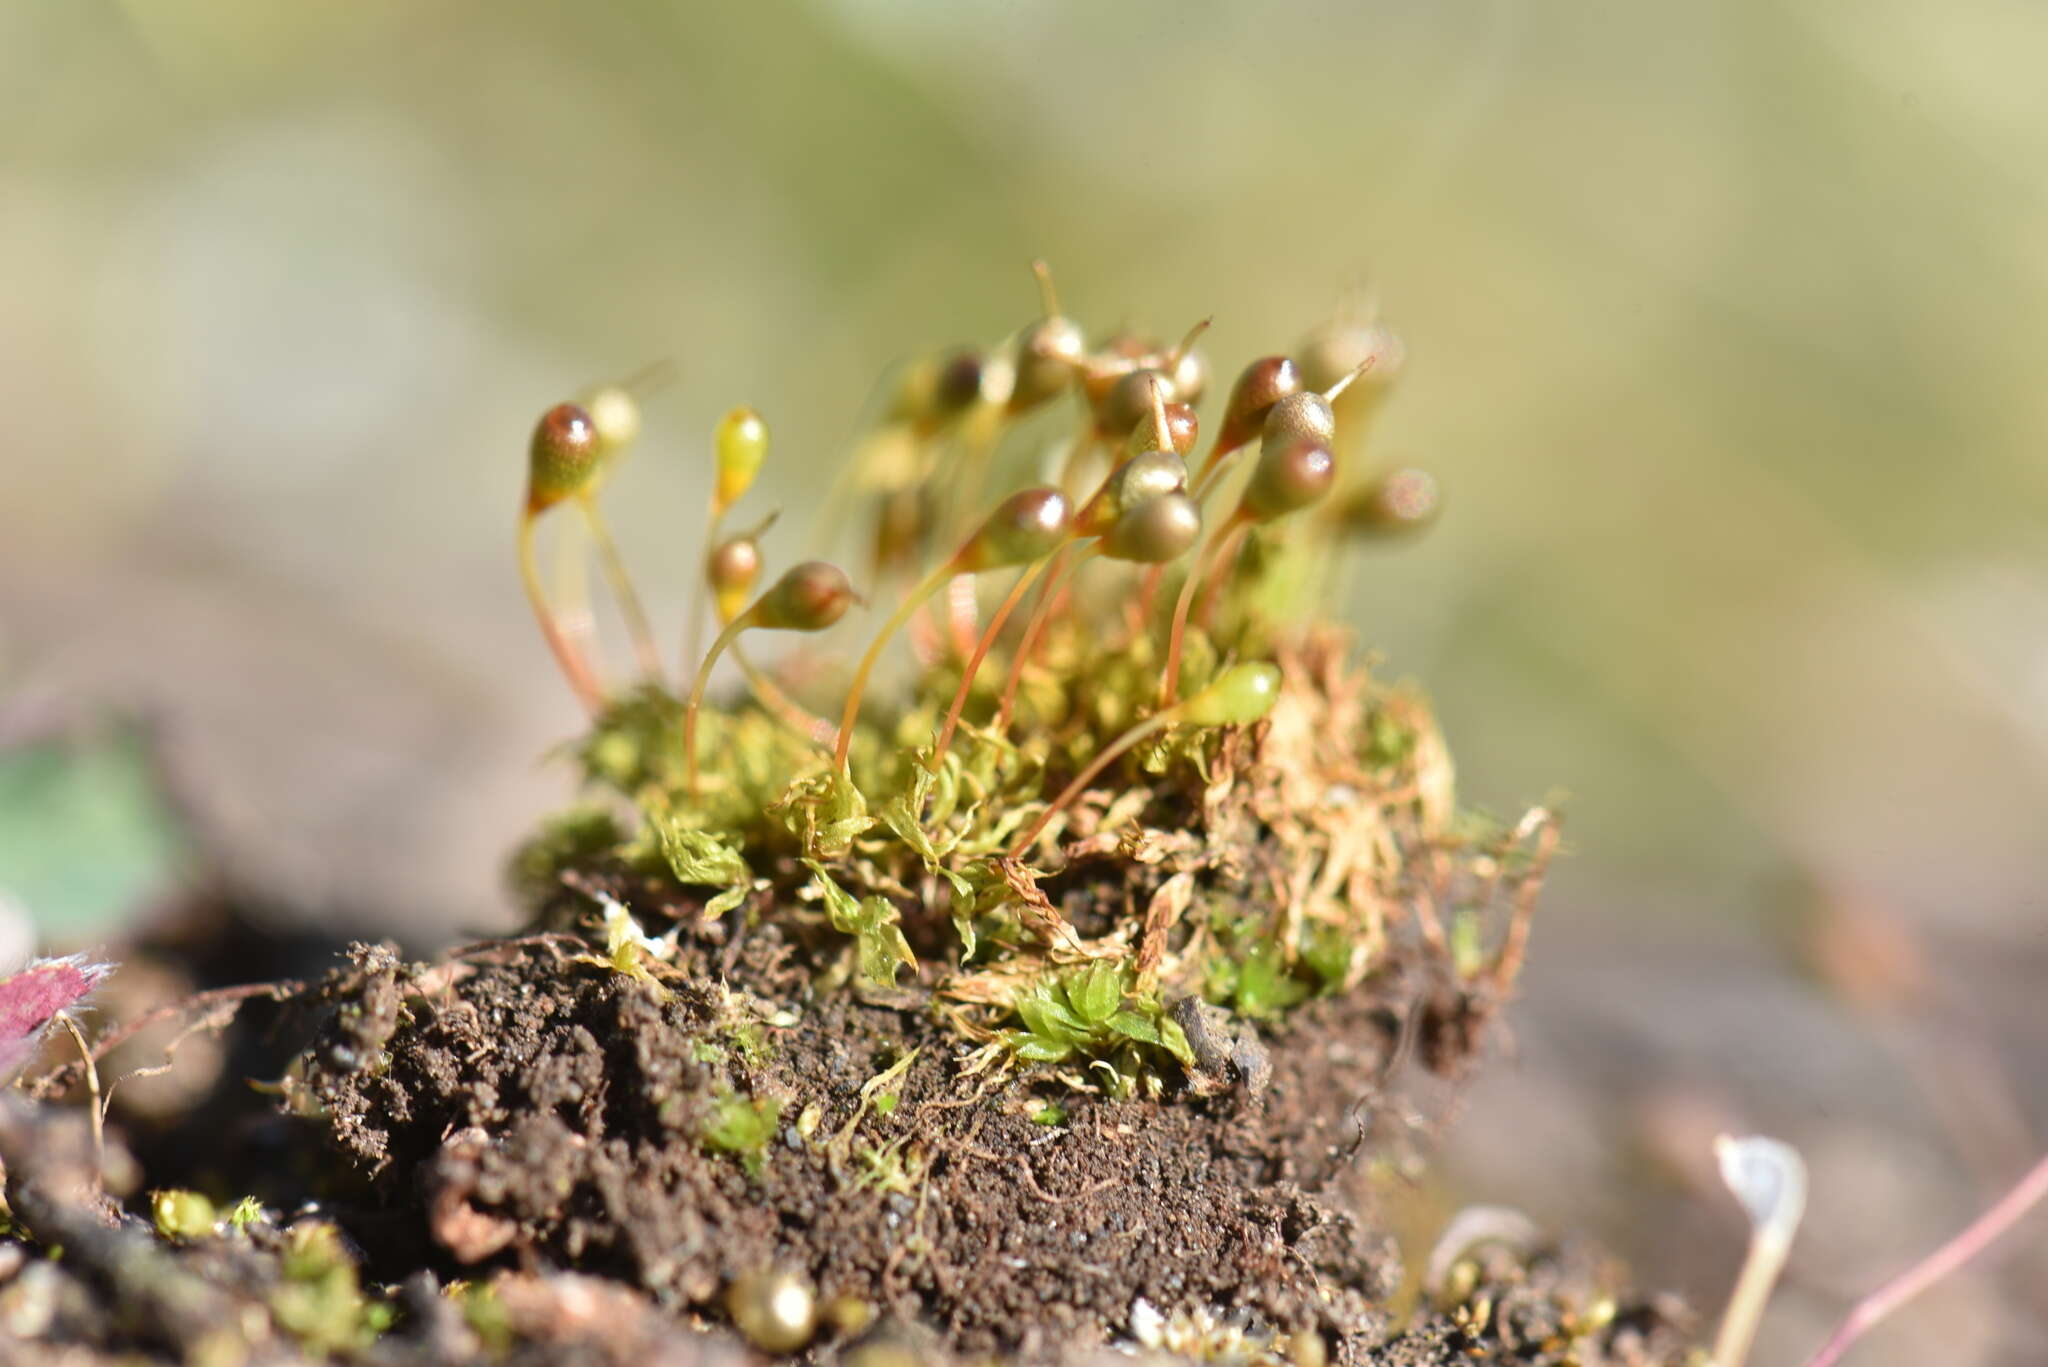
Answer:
(579, 1143)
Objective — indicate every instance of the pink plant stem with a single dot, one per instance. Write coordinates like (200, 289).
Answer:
(1974, 1239)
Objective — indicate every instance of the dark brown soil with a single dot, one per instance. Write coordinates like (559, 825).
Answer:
(525, 1116)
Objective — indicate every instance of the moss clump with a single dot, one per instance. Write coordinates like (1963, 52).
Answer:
(1115, 824)
(741, 1126)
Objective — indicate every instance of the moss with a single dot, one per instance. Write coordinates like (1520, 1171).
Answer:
(1259, 859)
(741, 1126)
(320, 1301)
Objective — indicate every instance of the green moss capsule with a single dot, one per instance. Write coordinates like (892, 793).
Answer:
(562, 458)
(775, 1309)
(740, 446)
(1239, 696)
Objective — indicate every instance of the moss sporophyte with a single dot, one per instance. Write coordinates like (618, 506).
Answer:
(1099, 761)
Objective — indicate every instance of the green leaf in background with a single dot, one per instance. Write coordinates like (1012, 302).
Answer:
(89, 839)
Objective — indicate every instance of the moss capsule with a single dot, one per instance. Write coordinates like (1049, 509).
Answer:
(810, 597)
(562, 458)
(615, 414)
(1400, 501)
(740, 445)
(1259, 386)
(1239, 696)
(1024, 527)
(1155, 530)
(1287, 478)
(1184, 427)
(732, 569)
(1130, 401)
(775, 1309)
(1143, 476)
(1302, 416)
(1330, 353)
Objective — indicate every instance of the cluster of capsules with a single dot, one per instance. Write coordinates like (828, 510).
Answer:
(1129, 487)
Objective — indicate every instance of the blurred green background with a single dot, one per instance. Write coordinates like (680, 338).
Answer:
(1725, 328)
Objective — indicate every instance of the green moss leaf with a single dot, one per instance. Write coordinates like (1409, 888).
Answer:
(1096, 991)
(872, 921)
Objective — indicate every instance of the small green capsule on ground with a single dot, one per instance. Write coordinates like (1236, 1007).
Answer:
(182, 1214)
(776, 1309)
(1239, 696)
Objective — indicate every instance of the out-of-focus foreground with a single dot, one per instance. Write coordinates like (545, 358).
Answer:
(1724, 325)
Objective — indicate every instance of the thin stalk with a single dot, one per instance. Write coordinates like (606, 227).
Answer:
(1226, 557)
(916, 599)
(787, 710)
(725, 638)
(693, 628)
(621, 583)
(1169, 678)
(981, 649)
(1976, 1236)
(1158, 721)
(572, 665)
(1034, 628)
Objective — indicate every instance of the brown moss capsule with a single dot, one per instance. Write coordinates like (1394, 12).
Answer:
(1131, 401)
(1188, 374)
(1155, 530)
(1143, 476)
(1400, 501)
(1331, 352)
(1288, 477)
(1024, 527)
(1184, 427)
(1047, 353)
(959, 384)
(1259, 386)
(732, 569)
(809, 597)
(562, 458)
(1303, 416)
